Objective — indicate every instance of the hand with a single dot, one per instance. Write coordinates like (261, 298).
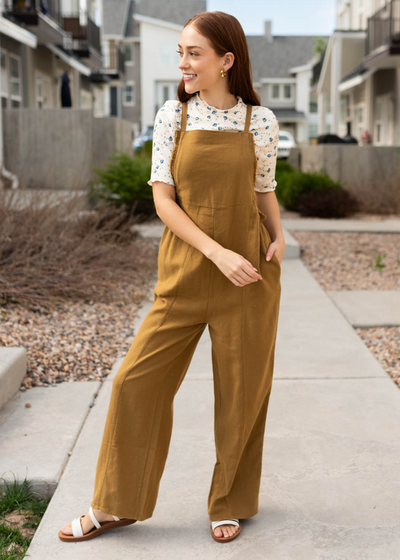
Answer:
(235, 267)
(276, 248)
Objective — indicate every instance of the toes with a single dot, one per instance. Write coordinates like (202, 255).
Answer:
(66, 529)
(225, 530)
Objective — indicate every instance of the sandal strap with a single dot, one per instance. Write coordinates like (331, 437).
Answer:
(116, 518)
(216, 524)
(77, 527)
(93, 518)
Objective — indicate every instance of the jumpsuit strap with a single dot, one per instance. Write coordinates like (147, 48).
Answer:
(184, 113)
(248, 117)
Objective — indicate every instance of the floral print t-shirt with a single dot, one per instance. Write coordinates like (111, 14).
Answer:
(201, 115)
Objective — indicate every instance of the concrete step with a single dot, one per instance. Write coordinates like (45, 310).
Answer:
(12, 371)
(342, 224)
(368, 308)
(35, 441)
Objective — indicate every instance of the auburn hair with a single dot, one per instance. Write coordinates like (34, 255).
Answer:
(225, 34)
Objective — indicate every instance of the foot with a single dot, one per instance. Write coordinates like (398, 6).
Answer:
(225, 530)
(87, 522)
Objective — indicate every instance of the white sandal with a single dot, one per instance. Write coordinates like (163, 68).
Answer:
(215, 524)
(99, 527)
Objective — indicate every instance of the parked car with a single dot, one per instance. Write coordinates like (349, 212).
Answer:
(285, 143)
(144, 136)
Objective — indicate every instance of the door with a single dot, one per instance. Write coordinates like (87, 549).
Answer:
(383, 120)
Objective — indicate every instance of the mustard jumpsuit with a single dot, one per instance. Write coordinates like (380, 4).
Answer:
(214, 174)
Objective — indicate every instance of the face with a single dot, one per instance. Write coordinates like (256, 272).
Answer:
(198, 57)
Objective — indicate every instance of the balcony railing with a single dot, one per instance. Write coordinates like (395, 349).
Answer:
(85, 34)
(384, 27)
(27, 11)
(114, 58)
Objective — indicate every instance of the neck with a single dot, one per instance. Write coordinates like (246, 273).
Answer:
(219, 101)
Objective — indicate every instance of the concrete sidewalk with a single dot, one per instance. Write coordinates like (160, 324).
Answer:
(331, 460)
(342, 224)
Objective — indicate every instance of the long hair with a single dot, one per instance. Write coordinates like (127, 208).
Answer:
(225, 34)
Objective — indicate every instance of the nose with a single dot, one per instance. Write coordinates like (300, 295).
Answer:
(182, 64)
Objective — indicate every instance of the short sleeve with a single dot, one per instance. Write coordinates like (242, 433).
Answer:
(167, 121)
(265, 128)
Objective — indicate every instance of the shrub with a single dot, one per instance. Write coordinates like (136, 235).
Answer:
(52, 252)
(328, 203)
(295, 184)
(283, 168)
(146, 149)
(124, 181)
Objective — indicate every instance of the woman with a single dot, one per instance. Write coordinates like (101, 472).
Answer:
(213, 167)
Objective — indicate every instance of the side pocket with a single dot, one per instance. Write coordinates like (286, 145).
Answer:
(261, 215)
(269, 241)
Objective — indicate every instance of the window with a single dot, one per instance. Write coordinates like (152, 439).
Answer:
(166, 52)
(39, 92)
(106, 54)
(43, 91)
(345, 108)
(361, 22)
(313, 106)
(15, 78)
(312, 130)
(287, 91)
(359, 123)
(282, 91)
(128, 53)
(129, 94)
(4, 77)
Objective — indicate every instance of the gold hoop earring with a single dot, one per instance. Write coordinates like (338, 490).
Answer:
(223, 74)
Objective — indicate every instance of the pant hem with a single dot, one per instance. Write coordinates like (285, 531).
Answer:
(119, 513)
(239, 515)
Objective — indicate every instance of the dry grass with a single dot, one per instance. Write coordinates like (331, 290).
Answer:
(51, 252)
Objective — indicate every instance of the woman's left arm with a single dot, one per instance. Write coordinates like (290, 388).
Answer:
(268, 204)
(266, 137)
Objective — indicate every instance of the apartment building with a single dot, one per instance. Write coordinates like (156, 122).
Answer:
(43, 46)
(360, 77)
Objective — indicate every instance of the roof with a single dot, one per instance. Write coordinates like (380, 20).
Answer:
(274, 59)
(114, 14)
(287, 114)
(357, 71)
(118, 14)
(174, 11)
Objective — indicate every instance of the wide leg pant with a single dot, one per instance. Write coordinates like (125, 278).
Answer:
(139, 421)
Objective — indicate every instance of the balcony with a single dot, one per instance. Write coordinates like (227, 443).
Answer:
(383, 34)
(43, 19)
(84, 38)
(114, 60)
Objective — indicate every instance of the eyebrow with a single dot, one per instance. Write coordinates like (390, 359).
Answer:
(192, 47)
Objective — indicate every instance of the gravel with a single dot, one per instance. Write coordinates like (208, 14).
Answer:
(384, 343)
(77, 340)
(81, 341)
(348, 261)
